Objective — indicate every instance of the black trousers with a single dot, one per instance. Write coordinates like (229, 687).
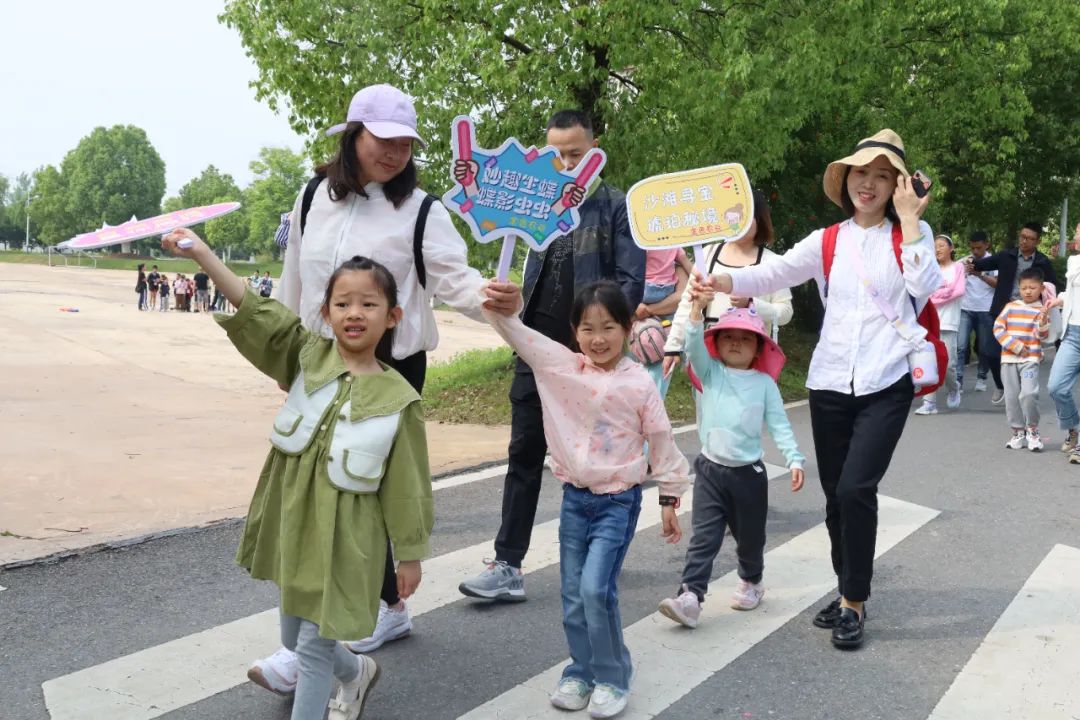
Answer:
(414, 370)
(854, 440)
(735, 497)
(994, 351)
(521, 489)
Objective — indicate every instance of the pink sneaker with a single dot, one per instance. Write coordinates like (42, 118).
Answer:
(684, 609)
(747, 595)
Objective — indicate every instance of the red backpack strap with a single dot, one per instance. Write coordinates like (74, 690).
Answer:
(897, 240)
(828, 252)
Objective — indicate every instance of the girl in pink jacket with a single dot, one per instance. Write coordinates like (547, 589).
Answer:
(600, 407)
(947, 300)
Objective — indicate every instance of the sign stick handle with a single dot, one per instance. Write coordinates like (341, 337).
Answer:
(699, 260)
(505, 258)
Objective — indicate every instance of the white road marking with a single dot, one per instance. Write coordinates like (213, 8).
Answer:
(163, 678)
(1027, 665)
(672, 661)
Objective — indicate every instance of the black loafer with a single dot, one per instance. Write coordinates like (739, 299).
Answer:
(848, 632)
(826, 617)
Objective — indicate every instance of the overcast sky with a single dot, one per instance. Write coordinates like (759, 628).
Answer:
(69, 66)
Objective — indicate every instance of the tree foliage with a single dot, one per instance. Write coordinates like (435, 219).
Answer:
(112, 174)
(984, 92)
(279, 175)
(210, 187)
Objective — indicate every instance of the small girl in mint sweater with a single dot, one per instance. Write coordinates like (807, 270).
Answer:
(738, 364)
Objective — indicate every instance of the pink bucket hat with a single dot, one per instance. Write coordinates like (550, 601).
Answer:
(770, 359)
(385, 111)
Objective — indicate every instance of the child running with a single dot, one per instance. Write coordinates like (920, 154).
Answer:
(1020, 330)
(738, 364)
(599, 408)
(347, 467)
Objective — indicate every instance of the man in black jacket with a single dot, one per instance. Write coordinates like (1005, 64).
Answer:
(1010, 263)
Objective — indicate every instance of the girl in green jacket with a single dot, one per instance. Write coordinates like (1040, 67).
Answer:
(347, 468)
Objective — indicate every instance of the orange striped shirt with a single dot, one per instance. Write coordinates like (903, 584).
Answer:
(1018, 327)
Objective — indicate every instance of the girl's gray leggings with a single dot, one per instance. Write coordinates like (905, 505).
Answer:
(320, 660)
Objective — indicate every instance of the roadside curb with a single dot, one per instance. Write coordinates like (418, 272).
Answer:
(442, 481)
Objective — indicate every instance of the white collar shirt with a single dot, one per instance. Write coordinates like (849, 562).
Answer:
(859, 351)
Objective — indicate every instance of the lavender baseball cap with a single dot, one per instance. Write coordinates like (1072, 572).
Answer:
(385, 111)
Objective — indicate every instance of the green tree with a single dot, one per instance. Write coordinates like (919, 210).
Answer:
(113, 174)
(983, 91)
(280, 174)
(229, 231)
(211, 186)
(16, 207)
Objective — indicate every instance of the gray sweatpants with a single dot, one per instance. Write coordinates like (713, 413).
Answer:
(1021, 382)
(723, 496)
(320, 660)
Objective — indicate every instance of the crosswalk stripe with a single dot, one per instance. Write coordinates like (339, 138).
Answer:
(671, 661)
(157, 680)
(1026, 666)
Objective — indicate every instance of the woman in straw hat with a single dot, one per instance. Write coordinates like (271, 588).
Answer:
(859, 380)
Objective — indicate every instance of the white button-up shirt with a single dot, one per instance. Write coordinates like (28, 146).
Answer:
(373, 228)
(858, 350)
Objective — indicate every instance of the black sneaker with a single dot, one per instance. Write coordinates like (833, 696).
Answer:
(826, 617)
(848, 632)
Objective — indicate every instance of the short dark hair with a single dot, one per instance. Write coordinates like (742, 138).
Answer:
(849, 206)
(979, 236)
(1036, 227)
(384, 280)
(563, 119)
(1031, 274)
(606, 293)
(763, 215)
(343, 172)
(155, 267)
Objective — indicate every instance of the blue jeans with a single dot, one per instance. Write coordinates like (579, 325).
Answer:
(594, 534)
(983, 325)
(1063, 376)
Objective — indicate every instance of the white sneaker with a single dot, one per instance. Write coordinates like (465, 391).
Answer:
(391, 625)
(684, 609)
(277, 673)
(928, 407)
(572, 694)
(1034, 442)
(1018, 440)
(747, 595)
(980, 385)
(350, 699)
(953, 400)
(607, 701)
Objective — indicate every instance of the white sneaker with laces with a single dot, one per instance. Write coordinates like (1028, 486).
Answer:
(747, 595)
(572, 694)
(277, 673)
(607, 701)
(351, 696)
(683, 609)
(980, 385)
(998, 397)
(391, 625)
(928, 407)
(1034, 442)
(953, 400)
(1018, 440)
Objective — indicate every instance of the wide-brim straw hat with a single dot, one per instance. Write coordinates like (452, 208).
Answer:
(885, 142)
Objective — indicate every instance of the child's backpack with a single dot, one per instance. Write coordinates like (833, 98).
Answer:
(647, 338)
(418, 231)
(928, 318)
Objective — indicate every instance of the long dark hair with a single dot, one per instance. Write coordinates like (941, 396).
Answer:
(849, 206)
(384, 280)
(343, 172)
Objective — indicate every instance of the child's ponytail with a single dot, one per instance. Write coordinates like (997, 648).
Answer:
(386, 283)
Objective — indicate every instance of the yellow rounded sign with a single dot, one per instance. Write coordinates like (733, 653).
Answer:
(692, 207)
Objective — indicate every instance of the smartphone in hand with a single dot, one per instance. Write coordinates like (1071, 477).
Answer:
(920, 183)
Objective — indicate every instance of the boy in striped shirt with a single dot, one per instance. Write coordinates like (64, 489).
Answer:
(1020, 330)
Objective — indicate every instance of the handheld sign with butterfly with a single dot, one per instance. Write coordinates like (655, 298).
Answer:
(516, 192)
